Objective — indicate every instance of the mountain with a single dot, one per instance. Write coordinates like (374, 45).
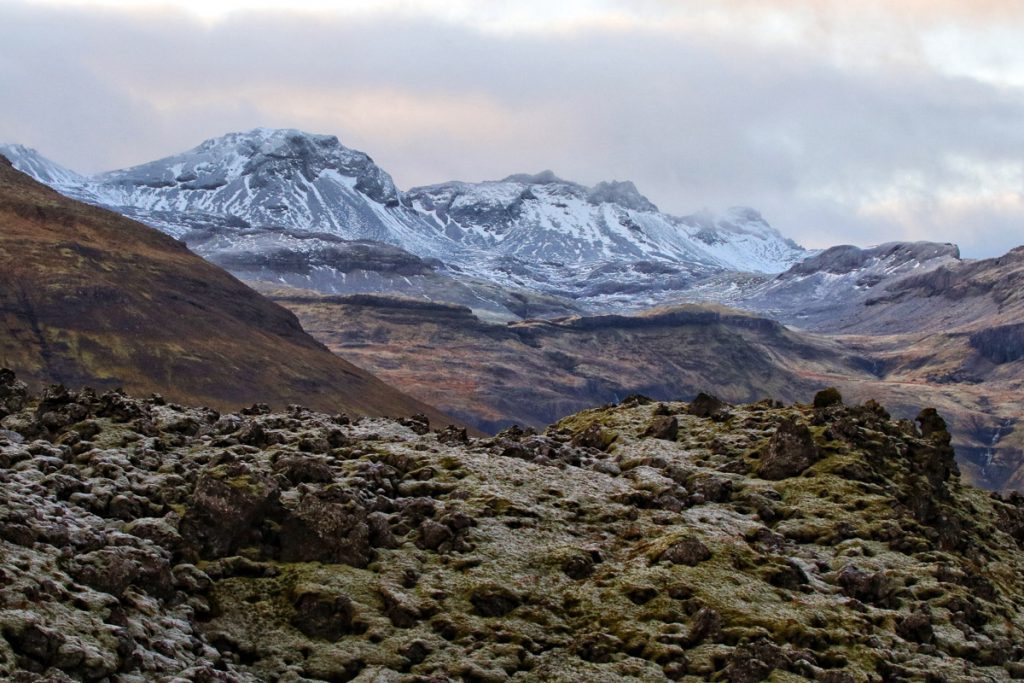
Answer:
(525, 235)
(90, 297)
(531, 372)
(543, 218)
(833, 290)
(640, 542)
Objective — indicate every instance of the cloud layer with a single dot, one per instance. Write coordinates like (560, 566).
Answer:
(902, 120)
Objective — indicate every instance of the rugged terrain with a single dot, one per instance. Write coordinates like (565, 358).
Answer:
(90, 297)
(531, 372)
(645, 541)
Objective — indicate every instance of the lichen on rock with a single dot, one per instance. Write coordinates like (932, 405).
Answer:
(141, 540)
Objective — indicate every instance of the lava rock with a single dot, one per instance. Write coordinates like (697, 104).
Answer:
(13, 393)
(663, 427)
(706, 405)
(330, 526)
(687, 551)
(826, 398)
(790, 451)
(225, 507)
(322, 615)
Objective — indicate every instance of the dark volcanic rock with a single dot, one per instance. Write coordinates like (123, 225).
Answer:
(706, 405)
(663, 427)
(687, 551)
(157, 552)
(327, 526)
(225, 509)
(13, 393)
(323, 615)
(790, 451)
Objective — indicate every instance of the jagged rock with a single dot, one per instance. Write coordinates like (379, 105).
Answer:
(826, 398)
(494, 601)
(594, 436)
(453, 435)
(754, 662)
(663, 427)
(790, 451)
(113, 569)
(327, 526)
(225, 508)
(875, 588)
(686, 551)
(322, 615)
(418, 423)
(916, 628)
(705, 405)
(432, 535)
(304, 470)
(165, 552)
(13, 393)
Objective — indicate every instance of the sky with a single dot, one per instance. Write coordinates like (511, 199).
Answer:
(841, 122)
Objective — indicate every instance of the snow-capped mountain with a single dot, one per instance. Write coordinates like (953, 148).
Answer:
(834, 290)
(543, 218)
(32, 163)
(595, 247)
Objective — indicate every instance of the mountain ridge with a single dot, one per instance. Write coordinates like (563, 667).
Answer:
(515, 234)
(88, 296)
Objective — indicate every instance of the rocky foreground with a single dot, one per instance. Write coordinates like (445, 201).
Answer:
(141, 540)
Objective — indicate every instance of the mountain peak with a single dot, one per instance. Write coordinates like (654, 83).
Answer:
(623, 193)
(546, 177)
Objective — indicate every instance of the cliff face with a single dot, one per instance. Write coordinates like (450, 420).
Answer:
(645, 541)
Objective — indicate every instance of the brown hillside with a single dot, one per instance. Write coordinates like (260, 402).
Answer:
(88, 297)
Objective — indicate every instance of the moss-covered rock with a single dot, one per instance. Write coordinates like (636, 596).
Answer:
(296, 546)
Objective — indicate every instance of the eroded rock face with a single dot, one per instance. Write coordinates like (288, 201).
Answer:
(140, 540)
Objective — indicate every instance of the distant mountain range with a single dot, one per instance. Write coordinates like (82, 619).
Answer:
(288, 206)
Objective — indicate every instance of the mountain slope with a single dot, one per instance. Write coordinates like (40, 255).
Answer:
(542, 217)
(526, 372)
(831, 291)
(531, 372)
(89, 297)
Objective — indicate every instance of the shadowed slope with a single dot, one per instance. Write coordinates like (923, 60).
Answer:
(90, 297)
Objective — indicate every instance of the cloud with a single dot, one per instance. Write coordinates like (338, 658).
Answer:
(695, 111)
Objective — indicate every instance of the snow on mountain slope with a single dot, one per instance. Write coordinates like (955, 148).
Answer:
(276, 178)
(830, 291)
(544, 218)
(600, 247)
(34, 164)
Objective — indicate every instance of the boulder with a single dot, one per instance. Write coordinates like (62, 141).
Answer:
(790, 451)
(706, 405)
(13, 393)
(686, 551)
(323, 615)
(664, 427)
(225, 508)
(330, 526)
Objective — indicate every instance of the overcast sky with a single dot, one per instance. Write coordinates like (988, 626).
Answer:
(842, 122)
